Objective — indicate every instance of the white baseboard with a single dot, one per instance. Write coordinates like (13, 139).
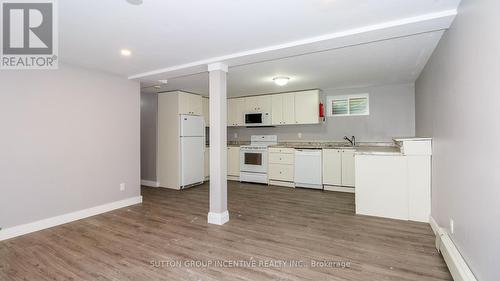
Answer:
(459, 269)
(233, 178)
(308, 185)
(150, 183)
(14, 231)
(339, 188)
(282, 183)
(218, 218)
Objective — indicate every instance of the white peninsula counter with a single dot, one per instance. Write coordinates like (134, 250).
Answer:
(395, 184)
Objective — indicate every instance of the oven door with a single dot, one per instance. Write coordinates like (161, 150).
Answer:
(253, 160)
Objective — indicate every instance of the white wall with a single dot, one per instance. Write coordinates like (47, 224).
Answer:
(69, 137)
(457, 103)
(392, 113)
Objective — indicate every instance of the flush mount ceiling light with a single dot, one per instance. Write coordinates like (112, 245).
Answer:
(157, 87)
(281, 80)
(135, 2)
(163, 81)
(125, 52)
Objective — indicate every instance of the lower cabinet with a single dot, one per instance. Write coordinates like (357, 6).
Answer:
(281, 172)
(338, 167)
(348, 167)
(233, 161)
(332, 166)
(281, 166)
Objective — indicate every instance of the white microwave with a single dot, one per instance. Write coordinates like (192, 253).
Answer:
(257, 119)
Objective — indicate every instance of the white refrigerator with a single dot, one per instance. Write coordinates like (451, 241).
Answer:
(192, 148)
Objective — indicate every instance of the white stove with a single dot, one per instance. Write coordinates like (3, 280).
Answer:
(253, 158)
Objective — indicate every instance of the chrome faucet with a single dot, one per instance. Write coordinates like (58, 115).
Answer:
(351, 141)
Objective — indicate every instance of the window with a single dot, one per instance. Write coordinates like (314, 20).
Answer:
(352, 105)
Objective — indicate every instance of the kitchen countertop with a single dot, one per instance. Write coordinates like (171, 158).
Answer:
(382, 148)
(412, 139)
(237, 143)
(378, 150)
(363, 148)
(311, 145)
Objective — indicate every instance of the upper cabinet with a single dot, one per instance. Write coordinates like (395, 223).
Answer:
(206, 111)
(283, 109)
(258, 104)
(190, 104)
(235, 111)
(307, 107)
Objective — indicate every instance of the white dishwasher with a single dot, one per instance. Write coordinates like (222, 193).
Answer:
(308, 168)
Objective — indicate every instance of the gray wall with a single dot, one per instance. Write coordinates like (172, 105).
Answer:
(149, 114)
(458, 102)
(69, 138)
(392, 113)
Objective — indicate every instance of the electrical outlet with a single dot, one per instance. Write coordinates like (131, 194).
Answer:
(299, 135)
(122, 186)
(452, 226)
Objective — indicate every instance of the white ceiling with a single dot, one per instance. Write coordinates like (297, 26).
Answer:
(391, 61)
(167, 33)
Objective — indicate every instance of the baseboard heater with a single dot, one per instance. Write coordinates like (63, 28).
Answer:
(459, 269)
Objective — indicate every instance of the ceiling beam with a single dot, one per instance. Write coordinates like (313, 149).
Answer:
(352, 37)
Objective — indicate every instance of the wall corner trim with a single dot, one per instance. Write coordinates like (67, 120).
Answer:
(19, 230)
(434, 225)
(459, 269)
(150, 183)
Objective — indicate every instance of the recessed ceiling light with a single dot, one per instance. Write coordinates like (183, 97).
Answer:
(126, 53)
(163, 81)
(135, 2)
(281, 80)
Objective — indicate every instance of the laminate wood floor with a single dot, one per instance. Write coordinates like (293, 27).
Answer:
(274, 233)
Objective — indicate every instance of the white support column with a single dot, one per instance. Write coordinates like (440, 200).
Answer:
(218, 213)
